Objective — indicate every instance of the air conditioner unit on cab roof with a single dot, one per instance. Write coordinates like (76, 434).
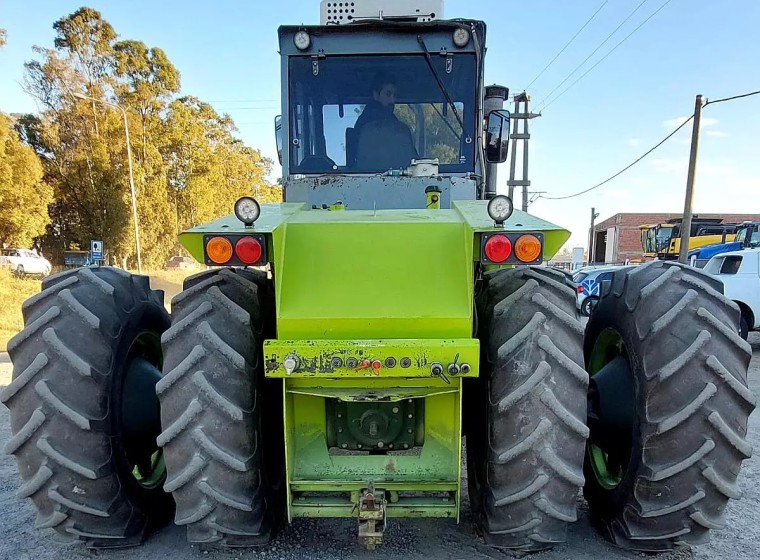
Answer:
(404, 10)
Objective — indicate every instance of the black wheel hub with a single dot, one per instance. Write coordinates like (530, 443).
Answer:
(140, 421)
(610, 410)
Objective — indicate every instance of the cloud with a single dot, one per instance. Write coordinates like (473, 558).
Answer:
(671, 165)
(706, 122)
(673, 123)
(616, 193)
(633, 142)
(716, 133)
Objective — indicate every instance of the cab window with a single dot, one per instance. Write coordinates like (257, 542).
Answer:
(730, 265)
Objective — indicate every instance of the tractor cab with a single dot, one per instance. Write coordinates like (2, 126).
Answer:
(381, 105)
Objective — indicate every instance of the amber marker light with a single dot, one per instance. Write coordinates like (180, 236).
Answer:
(527, 248)
(219, 250)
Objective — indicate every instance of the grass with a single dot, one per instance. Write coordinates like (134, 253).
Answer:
(14, 291)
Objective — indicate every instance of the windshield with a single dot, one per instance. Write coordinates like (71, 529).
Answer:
(580, 277)
(370, 114)
(664, 235)
(648, 240)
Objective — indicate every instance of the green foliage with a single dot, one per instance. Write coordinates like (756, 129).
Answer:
(441, 130)
(188, 166)
(23, 195)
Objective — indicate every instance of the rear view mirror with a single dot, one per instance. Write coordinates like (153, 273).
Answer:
(278, 136)
(497, 136)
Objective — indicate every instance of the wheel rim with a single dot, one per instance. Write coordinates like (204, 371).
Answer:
(156, 474)
(140, 417)
(611, 406)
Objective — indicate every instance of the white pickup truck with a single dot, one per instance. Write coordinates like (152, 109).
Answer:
(740, 273)
(23, 262)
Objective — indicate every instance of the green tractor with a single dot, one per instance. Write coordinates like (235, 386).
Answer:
(344, 342)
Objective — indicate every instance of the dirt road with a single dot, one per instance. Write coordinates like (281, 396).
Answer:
(323, 539)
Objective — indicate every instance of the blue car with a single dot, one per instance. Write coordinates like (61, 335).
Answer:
(589, 285)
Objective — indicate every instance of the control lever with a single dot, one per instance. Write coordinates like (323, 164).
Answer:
(436, 370)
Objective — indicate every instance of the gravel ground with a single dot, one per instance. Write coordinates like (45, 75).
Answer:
(322, 539)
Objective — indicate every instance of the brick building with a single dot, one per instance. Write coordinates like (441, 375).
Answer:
(618, 238)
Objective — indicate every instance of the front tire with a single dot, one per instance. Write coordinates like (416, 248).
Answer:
(668, 408)
(525, 443)
(89, 351)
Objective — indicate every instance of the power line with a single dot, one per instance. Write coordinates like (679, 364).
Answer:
(751, 93)
(636, 9)
(598, 62)
(599, 9)
(266, 108)
(243, 101)
(626, 168)
(652, 149)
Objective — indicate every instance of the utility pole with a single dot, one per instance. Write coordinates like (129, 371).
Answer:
(79, 95)
(686, 222)
(594, 216)
(521, 114)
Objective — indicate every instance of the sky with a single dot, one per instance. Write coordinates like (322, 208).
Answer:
(227, 54)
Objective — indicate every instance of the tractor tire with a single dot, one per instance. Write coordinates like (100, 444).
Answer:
(674, 467)
(743, 327)
(212, 398)
(525, 445)
(69, 406)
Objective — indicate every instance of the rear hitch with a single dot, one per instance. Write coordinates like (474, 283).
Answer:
(371, 508)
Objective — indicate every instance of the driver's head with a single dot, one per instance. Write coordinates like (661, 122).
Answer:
(384, 90)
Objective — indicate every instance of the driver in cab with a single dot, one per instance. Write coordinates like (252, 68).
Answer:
(384, 142)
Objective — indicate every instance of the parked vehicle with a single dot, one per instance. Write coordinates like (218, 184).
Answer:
(181, 263)
(76, 259)
(740, 273)
(24, 262)
(747, 235)
(663, 241)
(589, 284)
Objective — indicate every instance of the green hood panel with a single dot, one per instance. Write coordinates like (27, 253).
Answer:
(357, 274)
(390, 274)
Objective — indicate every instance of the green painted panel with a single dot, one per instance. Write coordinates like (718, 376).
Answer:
(411, 508)
(471, 212)
(359, 274)
(311, 467)
(272, 216)
(475, 214)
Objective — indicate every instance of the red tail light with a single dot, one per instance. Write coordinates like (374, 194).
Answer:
(580, 289)
(248, 250)
(498, 248)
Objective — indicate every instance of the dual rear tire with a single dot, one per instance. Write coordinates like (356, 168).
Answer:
(666, 413)
(84, 416)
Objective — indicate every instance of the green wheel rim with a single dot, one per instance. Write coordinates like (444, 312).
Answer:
(608, 345)
(147, 345)
(157, 474)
